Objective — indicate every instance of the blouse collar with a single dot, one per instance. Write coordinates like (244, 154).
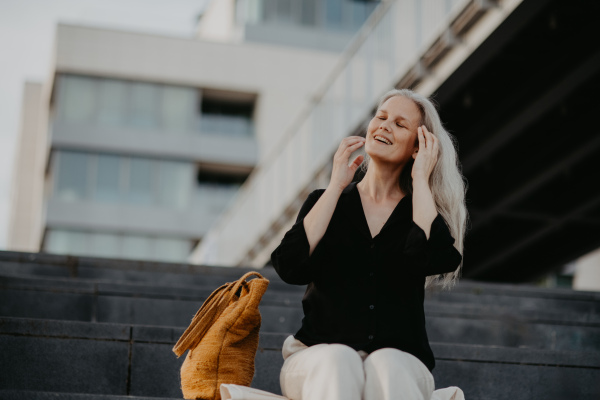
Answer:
(355, 211)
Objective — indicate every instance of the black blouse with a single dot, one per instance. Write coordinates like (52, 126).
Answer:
(363, 291)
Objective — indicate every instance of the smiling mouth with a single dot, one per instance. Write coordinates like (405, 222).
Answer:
(381, 139)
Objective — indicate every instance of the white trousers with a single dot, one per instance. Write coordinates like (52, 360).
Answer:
(338, 372)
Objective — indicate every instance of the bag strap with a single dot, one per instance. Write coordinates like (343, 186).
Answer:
(210, 310)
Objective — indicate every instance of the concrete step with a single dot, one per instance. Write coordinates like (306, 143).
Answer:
(434, 306)
(50, 265)
(524, 297)
(532, 300)
(92, 301)
(32, 395)
(127, 360)
(63, 299)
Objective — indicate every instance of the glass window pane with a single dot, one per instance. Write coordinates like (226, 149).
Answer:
(309, 13)
(141, 181)
(76, 100)
(214, 198)
(178, 108)
(71, 184)
(333, 13)
(234, 118)
(60, 241)
(136, 247)
(174, 250)
(143, 105)
(284, 11)
(103, 245)
(270, 10)
(107, 179)
(111, 102)
(175, 183)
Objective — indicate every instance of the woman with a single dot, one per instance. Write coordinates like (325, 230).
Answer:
(367, 251)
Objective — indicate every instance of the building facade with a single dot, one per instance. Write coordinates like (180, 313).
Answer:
(142, 140)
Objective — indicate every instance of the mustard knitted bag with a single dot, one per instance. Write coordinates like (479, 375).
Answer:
(222, 339)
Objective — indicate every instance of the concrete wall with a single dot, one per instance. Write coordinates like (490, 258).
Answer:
(217, 22)
(587, 272)
(25, 218)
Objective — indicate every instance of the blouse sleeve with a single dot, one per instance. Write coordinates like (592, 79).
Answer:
(291, 258)
(436, 255)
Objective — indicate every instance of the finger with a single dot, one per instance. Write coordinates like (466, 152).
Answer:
(348, 141)
(421, 138)
(357, 161)
(352, 138)
(353, 147)
(344, 153)
(428, 135)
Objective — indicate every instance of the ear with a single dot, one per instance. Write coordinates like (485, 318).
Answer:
(415, 153)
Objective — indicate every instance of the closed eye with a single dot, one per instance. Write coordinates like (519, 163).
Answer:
(400, 125)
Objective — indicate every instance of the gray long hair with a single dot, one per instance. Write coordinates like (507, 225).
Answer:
(447, 183)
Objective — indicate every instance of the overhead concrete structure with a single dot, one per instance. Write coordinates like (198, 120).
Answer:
(523, 106)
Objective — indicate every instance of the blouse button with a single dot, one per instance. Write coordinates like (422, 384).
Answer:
(372, 245)
(371, 306)
(371, 273)
(370, 337)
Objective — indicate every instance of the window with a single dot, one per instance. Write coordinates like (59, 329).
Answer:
(141, 181)
(178, 109)
(108, 178)
(231, 117)
(72, 177)
(108, 174)
(115, 245)
(216, 189)
(102, 244)
(144, 105)
(175, 182)
(65, 242)
(112, 102)
(76, 97)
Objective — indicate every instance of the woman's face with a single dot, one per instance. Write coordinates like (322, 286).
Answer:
(392, 133)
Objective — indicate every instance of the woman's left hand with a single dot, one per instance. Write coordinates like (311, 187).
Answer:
(427, 155)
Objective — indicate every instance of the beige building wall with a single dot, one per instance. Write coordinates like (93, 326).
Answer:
(217, 22)
(587, 272)
(25, 219)
(269, 71)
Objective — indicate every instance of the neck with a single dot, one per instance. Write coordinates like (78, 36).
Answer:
(381, 183)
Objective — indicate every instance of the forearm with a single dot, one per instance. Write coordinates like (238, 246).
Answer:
(317, 220)
(424, 210)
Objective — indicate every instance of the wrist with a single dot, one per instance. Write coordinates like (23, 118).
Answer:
(335, 189)
(420, 180)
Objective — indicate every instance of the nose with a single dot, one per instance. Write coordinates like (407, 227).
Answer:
(384, 126)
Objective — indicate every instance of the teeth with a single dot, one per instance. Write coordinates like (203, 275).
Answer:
(382, 139)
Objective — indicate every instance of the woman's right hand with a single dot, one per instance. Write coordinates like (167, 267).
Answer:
(342, 173)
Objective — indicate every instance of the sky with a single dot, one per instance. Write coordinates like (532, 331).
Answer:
(27, 30)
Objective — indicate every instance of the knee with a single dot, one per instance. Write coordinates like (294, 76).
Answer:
(339, 356)
(388, 359)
